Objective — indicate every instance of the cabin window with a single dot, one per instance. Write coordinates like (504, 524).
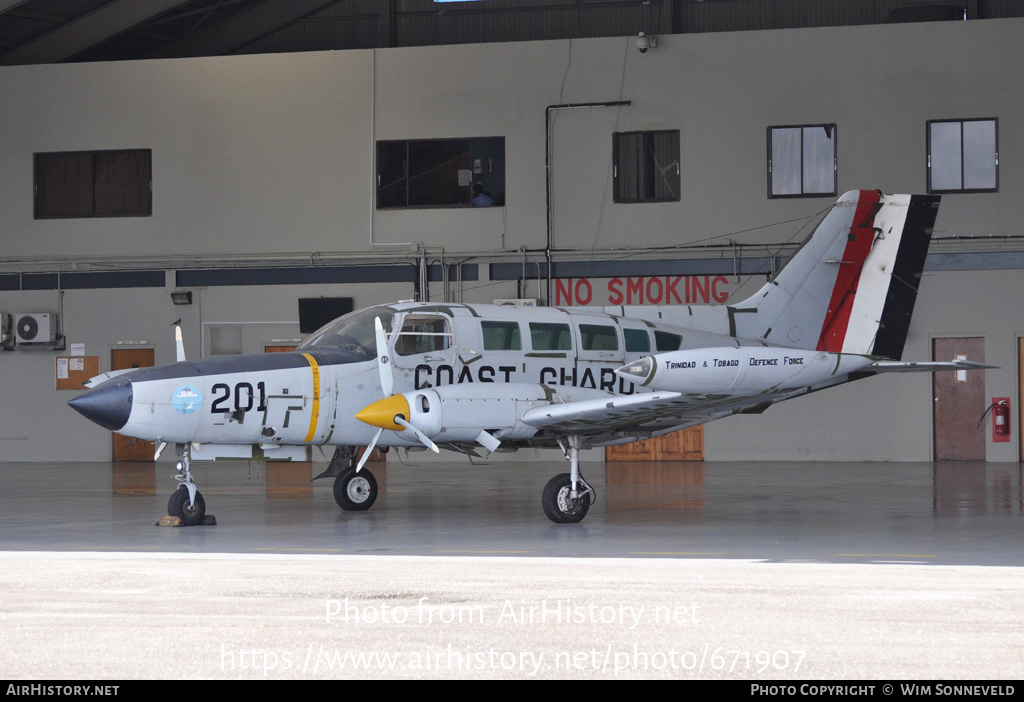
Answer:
(421, 334)
(802, 161)
(963, 156)
(354, 333)
(548, 336)
(502, 336)
(667, 342)
(596, 337)
(637, 340)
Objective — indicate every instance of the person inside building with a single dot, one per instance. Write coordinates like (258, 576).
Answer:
(480, 198)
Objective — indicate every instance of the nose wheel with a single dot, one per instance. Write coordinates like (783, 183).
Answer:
(187, 502)
(192, 512)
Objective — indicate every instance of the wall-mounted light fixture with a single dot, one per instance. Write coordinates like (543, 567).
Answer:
(181, 297)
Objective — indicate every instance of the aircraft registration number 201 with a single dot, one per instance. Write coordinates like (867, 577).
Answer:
(243, 396)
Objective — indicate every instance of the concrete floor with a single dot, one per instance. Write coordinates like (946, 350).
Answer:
(953, 513)
(787, 571)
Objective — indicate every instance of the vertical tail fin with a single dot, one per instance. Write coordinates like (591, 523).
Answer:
(851, 287)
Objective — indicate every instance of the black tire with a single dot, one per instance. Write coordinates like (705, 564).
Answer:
(558, 506)
(355, 492)
(177, 506)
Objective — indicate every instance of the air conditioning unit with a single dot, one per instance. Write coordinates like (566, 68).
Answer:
(517, 301)
(35, 328)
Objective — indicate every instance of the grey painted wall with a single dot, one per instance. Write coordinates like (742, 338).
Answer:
(272, 154)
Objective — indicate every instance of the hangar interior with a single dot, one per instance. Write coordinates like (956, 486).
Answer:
(254, 156)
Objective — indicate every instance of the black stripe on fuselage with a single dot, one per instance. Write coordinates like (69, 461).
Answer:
(906, 276)
(249, 363)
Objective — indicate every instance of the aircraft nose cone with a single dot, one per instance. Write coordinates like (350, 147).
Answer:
(109, 405)
(382, 413)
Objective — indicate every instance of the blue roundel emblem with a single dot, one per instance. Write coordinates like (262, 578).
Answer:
(187, 399)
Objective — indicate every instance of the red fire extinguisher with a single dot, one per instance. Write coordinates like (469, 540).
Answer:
(1000, 418)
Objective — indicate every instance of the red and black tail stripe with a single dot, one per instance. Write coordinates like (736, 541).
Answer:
(906, 276)
(858, 245)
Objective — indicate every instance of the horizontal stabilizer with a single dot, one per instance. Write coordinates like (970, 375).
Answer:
(925, 366)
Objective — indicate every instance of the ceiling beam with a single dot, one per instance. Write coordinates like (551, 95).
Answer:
(6, 5)
(243, 29)
(95, 27)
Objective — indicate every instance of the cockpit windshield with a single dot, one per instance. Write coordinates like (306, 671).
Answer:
(353, 333)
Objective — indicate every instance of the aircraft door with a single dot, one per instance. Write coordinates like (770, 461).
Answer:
(422, 351)
(600, 352)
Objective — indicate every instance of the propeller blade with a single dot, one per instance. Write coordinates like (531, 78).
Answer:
(387, 382)
(369, 450)
(419, 434)
(488, 441)
(179, 345)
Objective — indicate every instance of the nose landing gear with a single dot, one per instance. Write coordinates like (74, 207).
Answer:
(187, 502)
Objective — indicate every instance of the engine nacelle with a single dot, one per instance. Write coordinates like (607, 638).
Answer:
(459, 413)
(739, 370)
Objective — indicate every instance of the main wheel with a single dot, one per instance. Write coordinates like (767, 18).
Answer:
(355, 492)
(559, 506)
(178, 506)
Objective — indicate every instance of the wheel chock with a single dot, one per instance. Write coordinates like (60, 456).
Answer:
(169, 521)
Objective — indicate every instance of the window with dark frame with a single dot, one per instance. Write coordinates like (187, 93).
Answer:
(441, 173)
(597, 337)
(550, 336)
(665, 341)
(963, 156)
(802, 161)
(646, 166)
(501, 336)
(637, 340)
(72, 184)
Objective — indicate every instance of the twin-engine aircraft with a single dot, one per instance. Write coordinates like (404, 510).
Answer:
(467, 377)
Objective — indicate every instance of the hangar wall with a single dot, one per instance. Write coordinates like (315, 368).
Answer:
(270, 158)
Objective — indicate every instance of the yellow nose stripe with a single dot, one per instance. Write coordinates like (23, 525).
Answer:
(382, 413)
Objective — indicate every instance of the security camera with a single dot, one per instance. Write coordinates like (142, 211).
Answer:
(645, 42)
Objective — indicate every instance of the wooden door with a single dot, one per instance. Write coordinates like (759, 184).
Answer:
(958, 401)
(683, 445)
(126, 448)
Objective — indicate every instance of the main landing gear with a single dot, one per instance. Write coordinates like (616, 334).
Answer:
(186, 502)
(567, 497)
(354, 492)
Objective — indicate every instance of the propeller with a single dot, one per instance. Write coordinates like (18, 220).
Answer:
(392, 412)
(387, 382)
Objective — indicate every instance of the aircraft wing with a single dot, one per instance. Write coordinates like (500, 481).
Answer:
(657, 411)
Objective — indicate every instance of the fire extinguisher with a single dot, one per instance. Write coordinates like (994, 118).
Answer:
(1001, 417)
(1000, 409)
